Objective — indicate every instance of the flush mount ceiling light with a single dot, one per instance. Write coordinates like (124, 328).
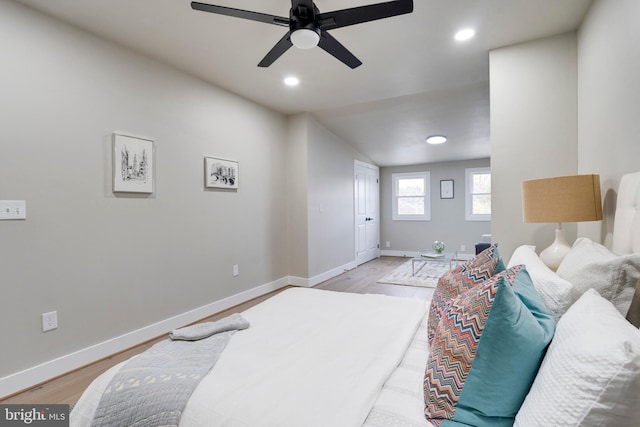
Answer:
(291, 81)
(436, 139)
(465, 34)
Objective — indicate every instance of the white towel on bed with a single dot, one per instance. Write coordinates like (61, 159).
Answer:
(205, 330)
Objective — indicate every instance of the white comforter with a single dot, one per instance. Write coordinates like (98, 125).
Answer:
(309, 358)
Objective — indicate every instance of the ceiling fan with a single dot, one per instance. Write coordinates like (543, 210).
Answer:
(308, 27)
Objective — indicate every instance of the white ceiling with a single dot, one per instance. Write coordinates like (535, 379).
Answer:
(415, 80)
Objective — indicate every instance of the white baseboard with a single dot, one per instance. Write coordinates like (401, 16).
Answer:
(29, 377)
(312, 281)
(331, 273)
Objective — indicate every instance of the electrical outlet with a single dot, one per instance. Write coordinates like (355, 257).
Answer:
(49, 321)
(387, 244)
(236, 270)
(462, 248)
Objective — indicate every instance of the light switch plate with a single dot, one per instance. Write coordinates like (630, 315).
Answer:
(13, 209)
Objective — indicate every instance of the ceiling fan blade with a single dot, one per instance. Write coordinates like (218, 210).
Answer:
(358, 15)
(276, 52)
(332, 46)
(239, 13)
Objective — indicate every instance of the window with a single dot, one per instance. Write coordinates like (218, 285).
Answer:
(411, 196)
(478, 194)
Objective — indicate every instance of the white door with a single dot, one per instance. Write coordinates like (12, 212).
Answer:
(367, 212)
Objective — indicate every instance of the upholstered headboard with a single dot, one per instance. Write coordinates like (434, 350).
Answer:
(626, 230)
(626, 225)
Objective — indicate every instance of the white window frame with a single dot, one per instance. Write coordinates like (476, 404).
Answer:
(468, 175)
(395, 178)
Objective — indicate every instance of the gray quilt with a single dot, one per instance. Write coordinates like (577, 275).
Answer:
(153, 388)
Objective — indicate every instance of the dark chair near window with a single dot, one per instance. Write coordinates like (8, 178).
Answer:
(484, 243)
(481, 246)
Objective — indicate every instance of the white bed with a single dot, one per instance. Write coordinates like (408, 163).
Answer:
(310, 358)
(321, 358)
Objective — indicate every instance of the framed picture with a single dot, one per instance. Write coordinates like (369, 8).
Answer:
(133, 164)
(220, 173)
(446, 189)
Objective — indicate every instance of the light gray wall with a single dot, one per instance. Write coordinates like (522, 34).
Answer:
(321, 168)
(297, 184)
(330, 203)
(447, 215)
(111, 264)
(534, 131)
(609, 102)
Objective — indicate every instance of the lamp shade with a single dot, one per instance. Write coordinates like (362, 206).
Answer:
(572, 198)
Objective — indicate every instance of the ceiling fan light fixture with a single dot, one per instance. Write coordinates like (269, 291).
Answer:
(309, 28)
(305, 38)
(436, 139)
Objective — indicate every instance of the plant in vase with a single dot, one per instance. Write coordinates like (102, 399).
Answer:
(438, 246)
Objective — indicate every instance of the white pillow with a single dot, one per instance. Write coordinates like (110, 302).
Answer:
(590, 265)
(553, 289)
(590, 375)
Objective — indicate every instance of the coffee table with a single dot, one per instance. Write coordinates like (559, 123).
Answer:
(431, 256)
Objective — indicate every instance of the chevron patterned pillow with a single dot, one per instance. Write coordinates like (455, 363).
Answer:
(453, 283)
(486, 351)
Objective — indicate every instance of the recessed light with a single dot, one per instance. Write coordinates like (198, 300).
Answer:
(436, 139)
(465, 34)
(291, 81)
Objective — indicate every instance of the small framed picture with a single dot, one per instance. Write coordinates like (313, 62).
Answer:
(220, 173)
(133, 164)
(446, 189)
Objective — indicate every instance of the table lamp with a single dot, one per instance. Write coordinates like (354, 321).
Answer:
(574, 198)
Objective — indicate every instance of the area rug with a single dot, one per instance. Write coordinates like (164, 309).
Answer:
(427, 274)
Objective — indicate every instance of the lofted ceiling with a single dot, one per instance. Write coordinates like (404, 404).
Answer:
(416, 80)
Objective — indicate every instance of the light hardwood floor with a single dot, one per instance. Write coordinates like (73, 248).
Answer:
(69, 387)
